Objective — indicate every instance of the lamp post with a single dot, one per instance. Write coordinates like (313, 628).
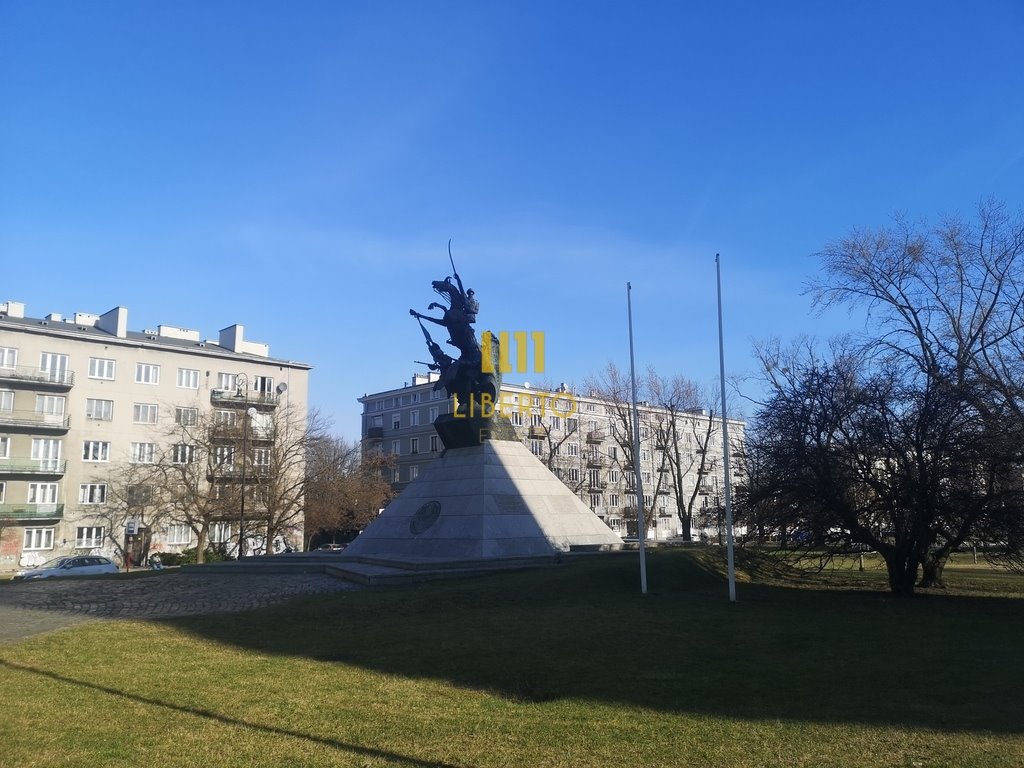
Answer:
(249, 413)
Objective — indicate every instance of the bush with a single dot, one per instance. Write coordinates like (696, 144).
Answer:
(188, 557)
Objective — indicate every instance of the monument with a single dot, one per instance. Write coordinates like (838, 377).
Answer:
(487, 502)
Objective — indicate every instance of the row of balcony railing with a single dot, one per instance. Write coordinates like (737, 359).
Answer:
(32, 466)
(39, 421)
(31, 511)
(243, 397)
(59, 378)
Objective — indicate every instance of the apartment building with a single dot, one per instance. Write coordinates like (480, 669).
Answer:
(586, 441)
(83, 400)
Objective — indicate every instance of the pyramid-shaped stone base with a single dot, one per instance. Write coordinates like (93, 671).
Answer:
(491, 502)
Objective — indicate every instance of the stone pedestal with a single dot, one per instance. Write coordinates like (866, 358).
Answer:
(489, 501)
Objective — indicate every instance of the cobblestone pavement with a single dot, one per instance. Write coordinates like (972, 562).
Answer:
(30, 608)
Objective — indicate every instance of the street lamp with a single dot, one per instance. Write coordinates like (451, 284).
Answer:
(249, 414)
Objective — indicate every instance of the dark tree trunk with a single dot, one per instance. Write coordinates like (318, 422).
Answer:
(902, 574)
(931, 572)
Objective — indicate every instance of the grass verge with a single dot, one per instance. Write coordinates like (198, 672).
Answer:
(565, 667)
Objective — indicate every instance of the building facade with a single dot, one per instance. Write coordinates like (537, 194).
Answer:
(85, 403)
(587, 442)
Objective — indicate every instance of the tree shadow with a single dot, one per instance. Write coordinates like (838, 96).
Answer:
(585, 632)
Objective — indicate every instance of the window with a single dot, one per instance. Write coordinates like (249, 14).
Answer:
(645, 455)
(261, 457)
(595, 500)
(95, 450)
(595, 477)
(38, 538)
(3, 492)
(378, 405)
(92, 493)
(144, 413)
(54, 366)
(415, 397)
(414, 418)
(572, 449)
(396, 475)
(46, 450)
(42, 493)
(414, 445)
(143, 453)
(224, 418)
(433, 444)
(227, 381)
(224, 456)
(536, 420)
(414, 472)
(6, 400)
(178, 533)
(433, 414)
(556, 423)
(536, 447)
(220, 533)
(139, 495)
(52, 405)
(589, 407)
(87, 537)
(188, 378)
(186, 417)
(147, 374)
(516, 417)
(613, 475)
(644, 433)
(5, 447)
(263, 384)
(396, 421)
(101, 410)
(396, 447)
(646, 477)
(571, 425)
(574, 475)
(8, 357)
(183, 454)
(613, 452)
(101, 368)
(613, 500)
(435, 395)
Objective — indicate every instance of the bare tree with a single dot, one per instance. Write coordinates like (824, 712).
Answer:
(907, 438)
(346, 487)
(614, 388)
(133, 491)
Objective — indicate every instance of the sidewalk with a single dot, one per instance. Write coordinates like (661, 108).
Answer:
(34, 607)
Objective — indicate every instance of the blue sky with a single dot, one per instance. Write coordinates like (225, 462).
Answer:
(299, 167)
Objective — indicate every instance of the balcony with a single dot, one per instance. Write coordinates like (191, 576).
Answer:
(28, 512)
(538, 432)
(37, 422)
(236, 432)
(54, 467)
(597, 485)
(664, 469)
(596, 461)
(242, 398)
(375, 433)
(41, 379)
(595, 436)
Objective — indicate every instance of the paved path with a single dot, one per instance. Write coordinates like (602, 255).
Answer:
(29, 608)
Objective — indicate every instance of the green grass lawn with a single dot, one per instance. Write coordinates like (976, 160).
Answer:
(555, 667)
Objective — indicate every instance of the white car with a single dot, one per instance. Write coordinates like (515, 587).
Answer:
(83, 565)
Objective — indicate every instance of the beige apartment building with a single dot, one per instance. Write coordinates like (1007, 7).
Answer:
(583, 439)
(84, 402)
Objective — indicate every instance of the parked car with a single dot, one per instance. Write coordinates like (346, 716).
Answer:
(59, 567)
(332, 547)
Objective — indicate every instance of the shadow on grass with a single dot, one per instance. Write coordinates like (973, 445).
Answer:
(585, 632)
(224, 719)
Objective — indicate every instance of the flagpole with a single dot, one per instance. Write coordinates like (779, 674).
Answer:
(641, 526)
(725, 442)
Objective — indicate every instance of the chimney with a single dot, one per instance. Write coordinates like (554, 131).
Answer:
(114, 322)
(13, 309)
(231, 337)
